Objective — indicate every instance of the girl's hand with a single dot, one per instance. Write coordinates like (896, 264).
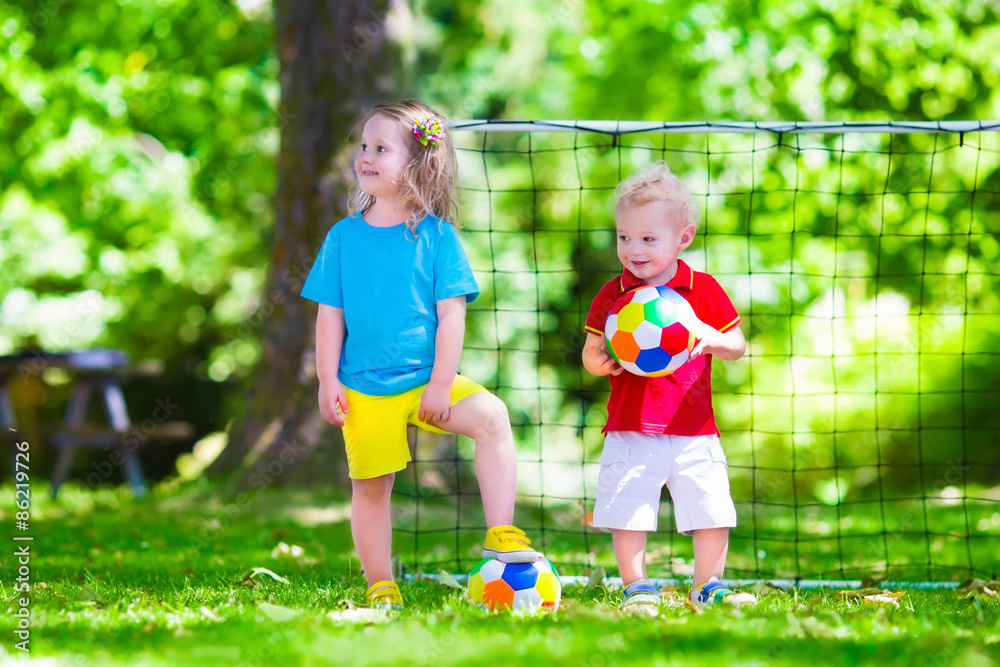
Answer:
(435, 403)
(605, 364)
(333, 402)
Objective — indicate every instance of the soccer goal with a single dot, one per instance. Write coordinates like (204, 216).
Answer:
(862, 426)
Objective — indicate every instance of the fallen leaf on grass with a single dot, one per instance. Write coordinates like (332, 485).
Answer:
(358, 615)
(88, 594)
(449, 580)
(253, 577)
(596, 577)
(277, 613)
(970, 585)
(868, 592)
(975, 587)
(209, 614)
(883, 599)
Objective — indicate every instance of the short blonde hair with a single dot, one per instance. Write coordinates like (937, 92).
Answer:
(657, 183)
(428, 181)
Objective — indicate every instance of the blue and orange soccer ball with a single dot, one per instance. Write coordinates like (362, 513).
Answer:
(650, 331)
(521, 587)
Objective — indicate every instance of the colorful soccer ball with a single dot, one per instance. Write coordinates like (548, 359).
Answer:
(522, 587)
(650, 331)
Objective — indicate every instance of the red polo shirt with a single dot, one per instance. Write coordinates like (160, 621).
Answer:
(680, 403)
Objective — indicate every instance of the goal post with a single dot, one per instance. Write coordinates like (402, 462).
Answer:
(861, 427)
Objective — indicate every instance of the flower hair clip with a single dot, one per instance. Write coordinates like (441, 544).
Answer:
(429, 131)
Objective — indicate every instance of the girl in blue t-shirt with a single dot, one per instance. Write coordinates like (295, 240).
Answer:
(392, 282)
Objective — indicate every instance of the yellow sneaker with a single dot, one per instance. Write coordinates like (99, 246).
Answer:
(384, 595)
(509, 545)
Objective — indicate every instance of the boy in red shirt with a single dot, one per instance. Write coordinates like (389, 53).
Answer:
(661, 430)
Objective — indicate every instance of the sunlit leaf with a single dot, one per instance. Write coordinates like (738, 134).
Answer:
(88, 594)
(277, 613)
(596, 577)
(359, 615)
(449, 580)
(210, 615)
(258, 575)
(884, 599)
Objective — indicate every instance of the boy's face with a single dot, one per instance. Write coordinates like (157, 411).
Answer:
(382, 156)
(650, 237)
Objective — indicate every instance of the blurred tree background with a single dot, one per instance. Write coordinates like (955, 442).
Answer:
(139, 143)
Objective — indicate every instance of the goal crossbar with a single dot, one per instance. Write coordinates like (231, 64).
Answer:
(739, 127)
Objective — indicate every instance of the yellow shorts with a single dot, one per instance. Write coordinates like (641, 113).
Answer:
(375, 427)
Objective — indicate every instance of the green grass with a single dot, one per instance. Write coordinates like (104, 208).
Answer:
(157, 581)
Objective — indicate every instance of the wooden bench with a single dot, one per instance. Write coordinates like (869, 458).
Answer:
(94, 372)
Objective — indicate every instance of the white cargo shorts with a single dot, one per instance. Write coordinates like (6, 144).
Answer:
(635, 466)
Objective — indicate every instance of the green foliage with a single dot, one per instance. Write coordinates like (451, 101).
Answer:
(137, 166)
(735, 60)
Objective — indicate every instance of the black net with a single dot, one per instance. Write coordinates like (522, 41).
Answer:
(862, 426)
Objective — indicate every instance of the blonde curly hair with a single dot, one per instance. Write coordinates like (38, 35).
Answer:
(657, 183)
(428, 182)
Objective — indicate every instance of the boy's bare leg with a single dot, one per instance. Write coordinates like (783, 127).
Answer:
(371, 526)
(630, 552)
(710, 548)
(484, 418)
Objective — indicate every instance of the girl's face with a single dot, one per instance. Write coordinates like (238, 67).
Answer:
(650, 237)
(384, 153)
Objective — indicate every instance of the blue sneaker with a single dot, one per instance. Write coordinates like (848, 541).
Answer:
(641, 598)
(714, 591)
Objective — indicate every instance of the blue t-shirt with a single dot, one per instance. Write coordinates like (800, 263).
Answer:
(388, 284)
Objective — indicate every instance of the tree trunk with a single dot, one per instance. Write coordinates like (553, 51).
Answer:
(336, 57)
